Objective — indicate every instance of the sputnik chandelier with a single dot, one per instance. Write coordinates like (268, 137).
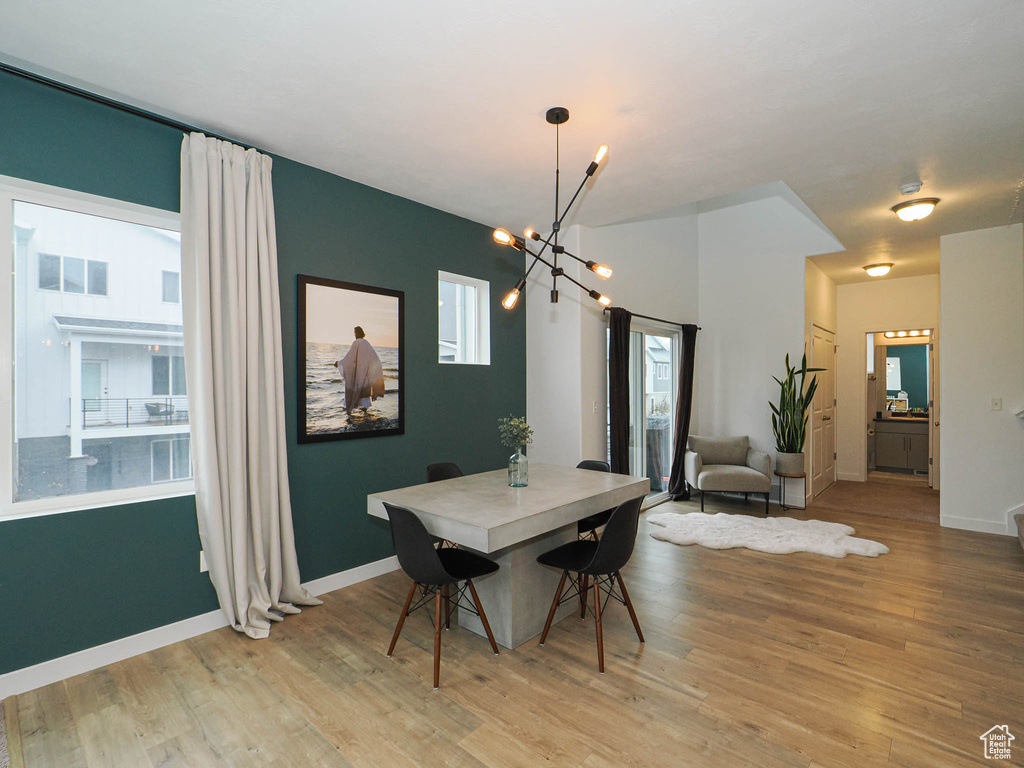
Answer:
(556, 116)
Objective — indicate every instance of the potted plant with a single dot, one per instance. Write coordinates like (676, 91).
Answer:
(789, 417)
(514, 432)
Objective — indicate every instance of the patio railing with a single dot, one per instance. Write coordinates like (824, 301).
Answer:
(134, 411)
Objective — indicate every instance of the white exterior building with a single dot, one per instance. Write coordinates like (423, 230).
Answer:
(99, 370)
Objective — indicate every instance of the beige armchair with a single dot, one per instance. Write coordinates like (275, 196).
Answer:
(726, 464)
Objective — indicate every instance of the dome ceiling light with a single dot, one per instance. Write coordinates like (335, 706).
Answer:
(877, 270)
(914, 210)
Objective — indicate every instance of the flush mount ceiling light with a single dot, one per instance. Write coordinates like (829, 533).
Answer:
(556, 116)
(915, 210)
(877, 270)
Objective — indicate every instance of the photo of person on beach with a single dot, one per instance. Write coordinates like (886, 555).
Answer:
(351, 369)
(363, 374)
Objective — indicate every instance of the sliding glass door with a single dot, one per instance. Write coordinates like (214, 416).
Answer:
(654, 369)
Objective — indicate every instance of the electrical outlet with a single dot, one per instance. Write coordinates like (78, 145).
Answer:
(997, 403)
(202, 562)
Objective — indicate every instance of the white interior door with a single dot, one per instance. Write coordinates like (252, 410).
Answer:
(933, 413)
(823, 411)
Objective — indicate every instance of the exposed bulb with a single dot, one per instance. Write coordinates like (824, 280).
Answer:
(600, 298)
(600, 154)
(503, 237)
(531, 233)
(510, 299)
(601, 270)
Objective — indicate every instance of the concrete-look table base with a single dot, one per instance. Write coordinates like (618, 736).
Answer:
(518, 596)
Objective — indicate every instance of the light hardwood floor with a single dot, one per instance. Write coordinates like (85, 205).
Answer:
(751, 659)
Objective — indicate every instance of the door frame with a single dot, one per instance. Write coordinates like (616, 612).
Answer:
(647, 327)
(809, 447)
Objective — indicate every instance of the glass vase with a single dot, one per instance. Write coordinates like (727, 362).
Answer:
(518, 470)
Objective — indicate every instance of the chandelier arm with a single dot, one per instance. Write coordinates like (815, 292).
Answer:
(573, 200)
(570, 278)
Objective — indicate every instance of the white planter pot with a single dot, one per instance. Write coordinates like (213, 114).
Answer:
(790, 464)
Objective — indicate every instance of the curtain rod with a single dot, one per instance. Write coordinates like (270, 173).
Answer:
(108, 102)
(655, 319)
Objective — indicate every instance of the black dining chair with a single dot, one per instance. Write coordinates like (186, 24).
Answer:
(587, 527)
(434, 571)
(601, 560)
(444, 470)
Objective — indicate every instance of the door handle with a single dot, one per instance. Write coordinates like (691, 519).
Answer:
(826, 418)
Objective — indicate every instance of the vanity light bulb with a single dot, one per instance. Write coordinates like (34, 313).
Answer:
(889, 334)
(926, 332)
(915, 333)
(901, 334)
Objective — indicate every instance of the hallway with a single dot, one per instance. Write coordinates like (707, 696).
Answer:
(886, 496)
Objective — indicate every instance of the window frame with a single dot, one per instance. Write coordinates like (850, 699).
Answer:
(11, 190)
(163, 286)
(482, 347)
(170, 458)
(86, 275)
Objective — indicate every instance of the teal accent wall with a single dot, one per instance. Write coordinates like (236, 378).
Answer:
(75, 580)
(913, 372)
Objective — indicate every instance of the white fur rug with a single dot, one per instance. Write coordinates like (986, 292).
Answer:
(5, 759)
(777, 535)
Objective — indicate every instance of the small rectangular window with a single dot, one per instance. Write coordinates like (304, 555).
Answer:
(170, 460)
(74, 275)
(98, 278)
(49, 272)
(172, 287)
(463, 319)
(161, 375)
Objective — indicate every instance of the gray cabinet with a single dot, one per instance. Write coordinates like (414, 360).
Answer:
(901, 445)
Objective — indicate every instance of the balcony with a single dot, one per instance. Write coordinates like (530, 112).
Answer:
(134, 412)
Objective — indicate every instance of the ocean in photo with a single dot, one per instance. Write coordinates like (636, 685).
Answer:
(325, 393)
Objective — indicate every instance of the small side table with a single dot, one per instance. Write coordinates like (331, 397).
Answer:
(782, 488)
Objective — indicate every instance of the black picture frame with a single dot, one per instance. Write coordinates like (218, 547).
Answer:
(328, 311)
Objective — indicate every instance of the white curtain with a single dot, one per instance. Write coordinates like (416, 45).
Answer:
(233, 365)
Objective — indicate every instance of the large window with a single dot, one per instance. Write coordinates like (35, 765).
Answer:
(96, 412)
(463, 319)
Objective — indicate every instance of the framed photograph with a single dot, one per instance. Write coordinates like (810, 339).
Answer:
(351, 360)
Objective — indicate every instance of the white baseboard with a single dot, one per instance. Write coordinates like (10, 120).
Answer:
(972, 524)
(851, 476)
(47, 672)
(352, 576)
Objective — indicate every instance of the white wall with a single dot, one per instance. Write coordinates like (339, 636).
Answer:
(553, 383)
(982, 460)
(751, 300)
(655, 265)
(885, 304)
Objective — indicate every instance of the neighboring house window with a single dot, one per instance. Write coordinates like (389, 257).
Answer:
(170, 460)
(168, 373)
(172, 287)
(96, 412)
(463, 319)
(72, 275)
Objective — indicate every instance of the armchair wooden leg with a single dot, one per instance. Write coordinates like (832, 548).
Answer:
(554, 607)
(483, 616)
(401, 618)
(447, 607)
(600, 632)
(629, 607)
(584, 579)
(437, 640)
(766, 507)
(702, 501)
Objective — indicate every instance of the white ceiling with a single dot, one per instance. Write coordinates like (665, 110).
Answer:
(443, 102)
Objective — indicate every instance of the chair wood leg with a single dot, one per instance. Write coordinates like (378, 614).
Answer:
(766, 507)
(583, 595)
(702, 501)
(437, 639)
(600, 632)
(629, 607)
(483, 616)
(554, 607)
(401, 618)
(447, 607)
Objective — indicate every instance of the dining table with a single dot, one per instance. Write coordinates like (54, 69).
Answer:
(512, 526)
